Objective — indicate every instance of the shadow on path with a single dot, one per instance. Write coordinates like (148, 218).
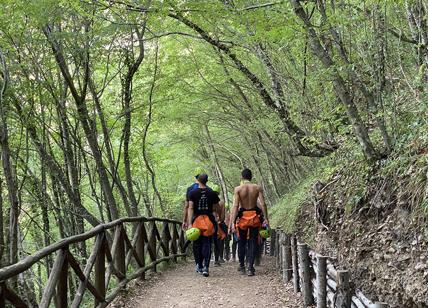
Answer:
(181, 286)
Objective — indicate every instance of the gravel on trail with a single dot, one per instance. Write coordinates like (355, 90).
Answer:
(180, 286)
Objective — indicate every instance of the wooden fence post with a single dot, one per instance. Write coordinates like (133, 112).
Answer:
(305, 274)
(265, 247)
(321, 281)
(152, 243)
(166, 237)
(120, 254)
(286, 258)
(344, 296)
(2, 295)
(174, 246)
(181, 242)
(53, 279)
(379, 305)
(139, 246)
(272, 243)
(295, 264)
(100, 271)
(62, 286)
(278, 249)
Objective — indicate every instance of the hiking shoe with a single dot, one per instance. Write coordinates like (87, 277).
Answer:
(205, 272)
(251, 272)
(198, 269)
(241, 269)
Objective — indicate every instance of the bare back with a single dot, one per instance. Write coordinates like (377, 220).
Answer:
(248, 194)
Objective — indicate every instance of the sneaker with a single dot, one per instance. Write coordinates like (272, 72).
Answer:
(217, 263)
(222, 260)
(251, 272)
(205, 271)
(241, 269)
(233, 259)
(198, 269)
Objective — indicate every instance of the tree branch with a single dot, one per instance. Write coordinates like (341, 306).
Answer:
(260, 6)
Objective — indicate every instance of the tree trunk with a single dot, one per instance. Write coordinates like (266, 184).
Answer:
(8, 168)
(292, 129)
(339, 85)
(217, 165)
(145, 133)
(45, 215)
(2, 243)
(88, 128)
(109, 151)
(127, 98)
(69, 157)
(416, 17)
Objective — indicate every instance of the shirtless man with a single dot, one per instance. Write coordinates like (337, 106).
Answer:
(247, 219)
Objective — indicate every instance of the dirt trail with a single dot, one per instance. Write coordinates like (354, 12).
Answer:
(226, 287)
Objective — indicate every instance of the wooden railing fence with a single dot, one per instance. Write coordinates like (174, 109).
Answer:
(314, 275)
(114, 254)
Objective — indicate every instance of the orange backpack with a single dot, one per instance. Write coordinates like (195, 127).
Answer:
(249, 219)
(203, 223)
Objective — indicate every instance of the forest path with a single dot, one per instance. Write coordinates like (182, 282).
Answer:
(181, 286)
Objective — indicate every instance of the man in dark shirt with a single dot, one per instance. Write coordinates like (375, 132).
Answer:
(186, 202)
(202, 203)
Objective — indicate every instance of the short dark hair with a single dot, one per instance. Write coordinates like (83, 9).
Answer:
(247, 174)
(203, 178)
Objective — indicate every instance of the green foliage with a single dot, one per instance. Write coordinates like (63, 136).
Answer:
(193, 104)
(285, 212)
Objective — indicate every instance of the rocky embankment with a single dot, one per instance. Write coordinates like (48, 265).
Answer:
(376, 230)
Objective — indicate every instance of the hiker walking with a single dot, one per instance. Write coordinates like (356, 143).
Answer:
(226, 254)
(189, 189)
(248, 218)
(203, 202)
(221, 231)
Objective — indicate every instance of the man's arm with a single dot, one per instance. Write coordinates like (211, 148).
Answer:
(222, 209)
(263, 204)
(234, 210)
(186, 209)
(216, 209)
(190, 214)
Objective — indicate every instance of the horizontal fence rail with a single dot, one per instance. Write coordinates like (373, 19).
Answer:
(73, 276)
(314, 275)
